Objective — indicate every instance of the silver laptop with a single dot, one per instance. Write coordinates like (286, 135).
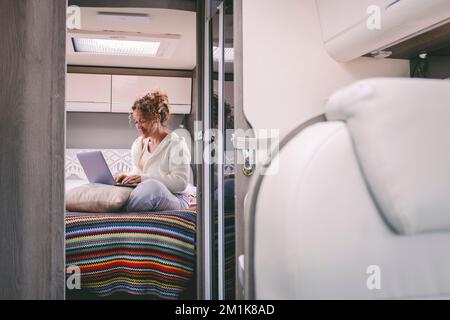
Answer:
(97, 170)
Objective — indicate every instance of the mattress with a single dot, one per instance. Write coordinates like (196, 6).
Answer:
(145, 253)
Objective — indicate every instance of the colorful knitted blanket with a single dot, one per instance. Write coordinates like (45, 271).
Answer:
(145, 253)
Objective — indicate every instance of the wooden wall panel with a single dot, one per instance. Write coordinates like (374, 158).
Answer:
(32, 68)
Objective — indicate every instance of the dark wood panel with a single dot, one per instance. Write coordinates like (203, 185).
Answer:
(32, 65)
(130, 71)
(186, 5)
(429, 41)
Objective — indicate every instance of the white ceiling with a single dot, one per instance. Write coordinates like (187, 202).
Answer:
(162, 21)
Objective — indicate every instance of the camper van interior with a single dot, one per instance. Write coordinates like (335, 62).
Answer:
(141, 251)
(295, 149)
(118, 56)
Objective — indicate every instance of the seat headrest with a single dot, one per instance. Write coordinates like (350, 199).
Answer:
(401, 134)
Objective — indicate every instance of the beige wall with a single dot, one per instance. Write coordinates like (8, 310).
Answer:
(287, 75)
(104, 130)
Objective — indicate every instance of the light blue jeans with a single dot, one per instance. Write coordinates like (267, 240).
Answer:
(152, 195)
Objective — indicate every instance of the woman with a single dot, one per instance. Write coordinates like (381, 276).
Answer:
(161, 159)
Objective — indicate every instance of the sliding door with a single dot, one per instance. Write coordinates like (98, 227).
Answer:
(218, 120)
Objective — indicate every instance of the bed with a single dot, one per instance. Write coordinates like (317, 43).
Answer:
(147, 254)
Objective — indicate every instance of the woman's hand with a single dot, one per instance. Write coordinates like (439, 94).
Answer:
(119, 177)
(132, 179)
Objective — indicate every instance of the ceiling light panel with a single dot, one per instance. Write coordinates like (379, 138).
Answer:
(116, 47)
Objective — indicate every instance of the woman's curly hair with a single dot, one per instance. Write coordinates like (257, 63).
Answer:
(154, 106)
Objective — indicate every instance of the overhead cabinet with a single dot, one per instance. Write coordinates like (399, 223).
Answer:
(373, 26)
(116, 93)
(126, 89)
(88, 92)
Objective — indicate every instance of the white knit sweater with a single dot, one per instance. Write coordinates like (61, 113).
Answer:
(169, 163)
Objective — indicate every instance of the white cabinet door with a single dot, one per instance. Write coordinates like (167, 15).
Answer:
(88, 92)
(126, 89)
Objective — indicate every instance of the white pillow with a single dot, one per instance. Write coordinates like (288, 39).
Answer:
(97, 198)
(73, 183)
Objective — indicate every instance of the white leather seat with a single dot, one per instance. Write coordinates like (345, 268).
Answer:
(319, 227)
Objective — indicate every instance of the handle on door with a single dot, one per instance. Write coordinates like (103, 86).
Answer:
(249, 162)
(248, 147)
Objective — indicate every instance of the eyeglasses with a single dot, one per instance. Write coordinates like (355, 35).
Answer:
(141, 121)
